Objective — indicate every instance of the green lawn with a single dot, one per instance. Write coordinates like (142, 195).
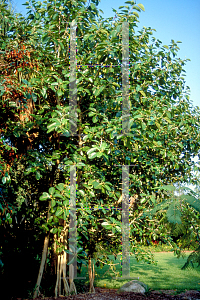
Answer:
(166, 275)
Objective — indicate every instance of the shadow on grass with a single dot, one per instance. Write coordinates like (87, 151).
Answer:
(167, 275)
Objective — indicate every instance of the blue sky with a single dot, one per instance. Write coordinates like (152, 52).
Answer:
(178, 20)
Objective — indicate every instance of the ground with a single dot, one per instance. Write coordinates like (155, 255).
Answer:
(111, 294)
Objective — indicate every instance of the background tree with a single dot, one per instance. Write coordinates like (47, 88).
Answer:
(182, 211)
(37, 129)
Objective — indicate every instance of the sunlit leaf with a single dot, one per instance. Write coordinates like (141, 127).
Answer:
(141, 6)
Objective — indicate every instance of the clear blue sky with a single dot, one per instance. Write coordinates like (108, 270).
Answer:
(173, 19)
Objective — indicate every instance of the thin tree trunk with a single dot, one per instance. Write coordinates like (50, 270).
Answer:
(44, 255)
(55, 254)
(58, 282)
(43, 260)
(66, 286)
(91, 275)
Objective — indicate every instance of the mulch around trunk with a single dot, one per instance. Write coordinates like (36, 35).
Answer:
(111, 294)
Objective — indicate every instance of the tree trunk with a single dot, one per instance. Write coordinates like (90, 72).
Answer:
(64, 262)
(91, 275)
(61, 269)
(44, 255)
(58, 281)
(43, 260)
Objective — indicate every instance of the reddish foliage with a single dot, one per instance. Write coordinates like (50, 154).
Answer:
(155, 242)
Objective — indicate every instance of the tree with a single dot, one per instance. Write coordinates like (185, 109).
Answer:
(183, 212)
(35, 124)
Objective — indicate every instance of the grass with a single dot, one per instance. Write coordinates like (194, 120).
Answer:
(167, 275)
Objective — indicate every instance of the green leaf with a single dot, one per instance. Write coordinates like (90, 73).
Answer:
(93, 6)
(119, 27)
(107, 187)
(141, 6)
(66, 202)
(45, 39)
(86, 185)
(91, 113)
(99, 90)
(45, 227)
(71, 261)
(92, 155)
(44, 196)
(143, 200)
(58, 195)
(51, 190)
(181, 145)
(37, 16)
(55, 15)
(95, 119)
(85, 228)
(113, 33)
(34, 97)
(53, 202)
(38, 175)
(92, 194)
(58, 212)
(86, 37)
(157, 124)
(62, 46)
(96, 185)
(136, 14)
(4, 180)
(192, 201)
(91, 181)
(60, 187)
(173, 213)
(100, 154)
(60, 93)
(82, 192)
(51, 127)
(106, 225)
(143, 93)
(166, 188)
(79, 250)
(54, 230)
(91, 150)
(31, 16)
